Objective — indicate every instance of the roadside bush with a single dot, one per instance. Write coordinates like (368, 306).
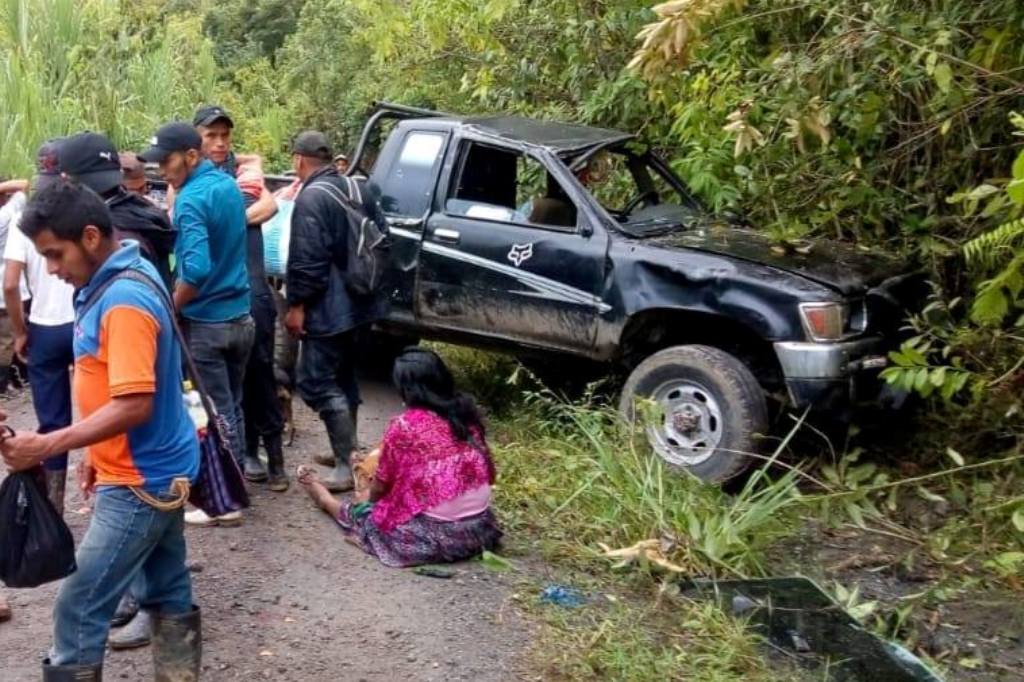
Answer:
(579, 479)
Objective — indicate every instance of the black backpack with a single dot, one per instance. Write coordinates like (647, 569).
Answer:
(368, 247)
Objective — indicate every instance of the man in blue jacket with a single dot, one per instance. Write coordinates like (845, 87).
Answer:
(212, 286)
(322, 311)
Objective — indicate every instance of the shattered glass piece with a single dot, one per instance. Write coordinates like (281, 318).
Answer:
(796, 614)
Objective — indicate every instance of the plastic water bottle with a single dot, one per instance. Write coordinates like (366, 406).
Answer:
(194, 406)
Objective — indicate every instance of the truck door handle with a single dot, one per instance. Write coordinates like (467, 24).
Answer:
(446, 235)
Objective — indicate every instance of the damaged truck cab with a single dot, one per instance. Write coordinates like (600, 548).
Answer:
(551, 239)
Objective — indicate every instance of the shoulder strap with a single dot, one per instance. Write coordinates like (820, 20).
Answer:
(161, 292)
(334, 192)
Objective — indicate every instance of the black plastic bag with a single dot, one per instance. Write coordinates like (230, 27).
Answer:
(36, 546)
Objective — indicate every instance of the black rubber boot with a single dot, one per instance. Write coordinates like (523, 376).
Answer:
(5, 372)
(327, 459)
(177, 646)
(137, 633)
(72, 673)
(254, 470)
(56, 482)
(277, 479)
(126, 610)
(341, 433)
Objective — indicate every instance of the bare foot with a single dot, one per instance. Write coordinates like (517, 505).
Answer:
(5, 610)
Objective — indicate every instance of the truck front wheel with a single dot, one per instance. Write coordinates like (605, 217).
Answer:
(712, 410)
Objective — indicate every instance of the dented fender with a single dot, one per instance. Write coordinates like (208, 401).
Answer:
(761, 298)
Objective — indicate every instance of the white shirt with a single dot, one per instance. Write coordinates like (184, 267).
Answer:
(52, 298)
(9, 215)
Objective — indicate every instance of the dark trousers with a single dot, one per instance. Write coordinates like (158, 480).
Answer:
(50, 356)
(221, 351)
(326, 375)
(259, 393)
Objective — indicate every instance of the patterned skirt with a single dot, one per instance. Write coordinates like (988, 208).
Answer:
(421, 540)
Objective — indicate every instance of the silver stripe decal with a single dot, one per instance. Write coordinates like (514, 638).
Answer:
(407, 234)
(543, 285)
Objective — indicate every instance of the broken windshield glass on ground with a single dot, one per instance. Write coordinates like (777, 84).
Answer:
(798, 616)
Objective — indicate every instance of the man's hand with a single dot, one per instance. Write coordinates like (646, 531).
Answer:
(25, 450)
(262, 210)
(21, 347)
(183, 295)
(12, 186)
(86, 477)
(295, 321)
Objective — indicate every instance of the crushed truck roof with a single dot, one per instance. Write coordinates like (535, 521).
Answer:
(560, 138)
(556, 136)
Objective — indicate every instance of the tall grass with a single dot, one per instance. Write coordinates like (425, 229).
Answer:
(73, 65)
(684, 640)
(578, 476)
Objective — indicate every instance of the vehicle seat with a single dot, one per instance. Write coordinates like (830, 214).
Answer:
(551, 211)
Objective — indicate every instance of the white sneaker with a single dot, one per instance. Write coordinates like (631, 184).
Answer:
(197, 517)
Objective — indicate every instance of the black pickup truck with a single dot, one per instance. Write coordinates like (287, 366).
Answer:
(562, 240)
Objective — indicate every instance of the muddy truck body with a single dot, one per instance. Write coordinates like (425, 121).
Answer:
(553, 240)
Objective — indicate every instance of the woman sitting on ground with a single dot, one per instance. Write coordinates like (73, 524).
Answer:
(430, 497)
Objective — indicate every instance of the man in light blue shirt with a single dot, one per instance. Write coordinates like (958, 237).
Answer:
(212, 286)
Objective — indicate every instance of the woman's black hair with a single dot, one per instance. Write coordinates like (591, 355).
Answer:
(423, 380)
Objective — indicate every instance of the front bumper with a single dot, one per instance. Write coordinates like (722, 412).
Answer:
(831, 376)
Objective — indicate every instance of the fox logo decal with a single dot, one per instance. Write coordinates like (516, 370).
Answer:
(520, 253)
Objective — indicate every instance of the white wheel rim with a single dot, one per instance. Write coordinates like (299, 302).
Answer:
(691, 427)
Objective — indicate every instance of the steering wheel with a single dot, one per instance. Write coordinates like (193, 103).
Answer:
(649, 197)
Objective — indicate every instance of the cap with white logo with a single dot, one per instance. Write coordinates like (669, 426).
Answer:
(173, 137)
(91, 159)
(211, 113)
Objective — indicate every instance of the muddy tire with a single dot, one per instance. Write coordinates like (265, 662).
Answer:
(714, 410)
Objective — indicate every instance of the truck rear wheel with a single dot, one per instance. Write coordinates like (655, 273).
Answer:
(381, 348)
(712, 410)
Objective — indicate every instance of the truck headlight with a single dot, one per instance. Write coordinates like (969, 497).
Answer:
(824, 321)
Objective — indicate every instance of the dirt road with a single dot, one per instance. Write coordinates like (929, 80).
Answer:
(284, 598)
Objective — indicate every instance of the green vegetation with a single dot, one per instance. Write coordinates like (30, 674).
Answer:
(72, 65)
(672, 639)
(591, 482)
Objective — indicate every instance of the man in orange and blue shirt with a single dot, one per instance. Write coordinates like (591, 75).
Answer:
(140, 442)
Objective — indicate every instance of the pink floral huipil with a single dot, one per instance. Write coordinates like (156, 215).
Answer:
(424, 465)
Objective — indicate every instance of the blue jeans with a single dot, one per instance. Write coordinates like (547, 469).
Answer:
(50, 355)
(326, 375)
(126, 537)
(221, 352)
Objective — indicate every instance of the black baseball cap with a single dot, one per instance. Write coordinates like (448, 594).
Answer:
(177, 136)
(47, 164)
(205, 115)
(312, 143)
(91, 159)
